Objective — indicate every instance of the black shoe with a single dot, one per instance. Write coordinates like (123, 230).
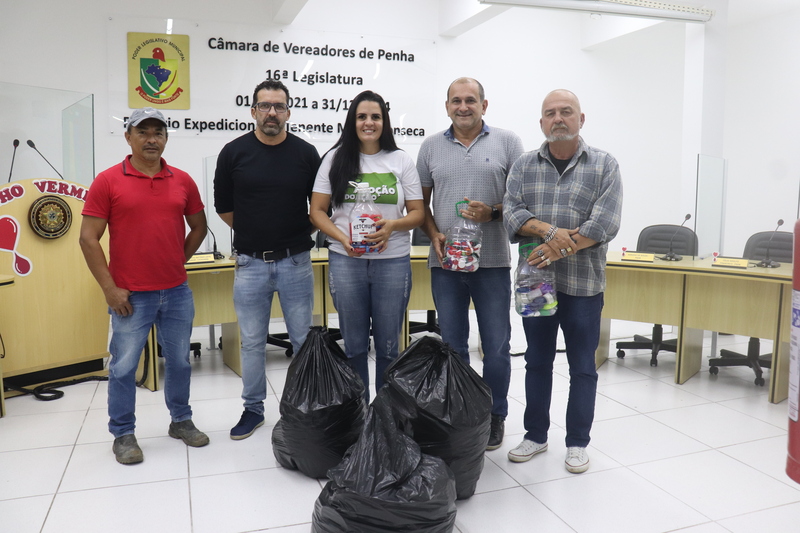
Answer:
(248, 423)
(496, 432)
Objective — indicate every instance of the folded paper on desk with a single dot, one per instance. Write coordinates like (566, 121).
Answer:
(730, 262)
(201, 258)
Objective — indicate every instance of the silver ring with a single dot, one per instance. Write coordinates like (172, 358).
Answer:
(540, 253)
(547, 261)
(563, 252)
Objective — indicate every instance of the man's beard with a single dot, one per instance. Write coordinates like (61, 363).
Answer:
(271, 128)
(562, 135)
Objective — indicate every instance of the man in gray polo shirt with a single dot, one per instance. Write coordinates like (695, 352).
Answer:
(471, 161)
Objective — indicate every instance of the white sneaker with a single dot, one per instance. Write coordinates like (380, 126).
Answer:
(525, 451)
(577, 460)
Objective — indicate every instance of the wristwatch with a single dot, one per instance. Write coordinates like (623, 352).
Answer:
(495, 213)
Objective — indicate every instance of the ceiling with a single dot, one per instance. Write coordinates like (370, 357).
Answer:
(741, 11)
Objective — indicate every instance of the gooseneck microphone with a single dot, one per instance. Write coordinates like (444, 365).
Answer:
(217, 253)
(672, 256)
(30, 143)
(14, 155)
(767, 262)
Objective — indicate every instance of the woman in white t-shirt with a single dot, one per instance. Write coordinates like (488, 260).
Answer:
(370, 289)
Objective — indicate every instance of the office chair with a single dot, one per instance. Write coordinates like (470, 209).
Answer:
(431, 324)
(780, 249)
(657, 239)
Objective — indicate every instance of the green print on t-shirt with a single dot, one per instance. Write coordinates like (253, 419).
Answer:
(382, 185)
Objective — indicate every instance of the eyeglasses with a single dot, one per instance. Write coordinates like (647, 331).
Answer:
(264, 107)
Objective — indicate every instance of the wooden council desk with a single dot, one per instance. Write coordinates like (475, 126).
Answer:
(212, 287)
(690, 294)
(696, 296)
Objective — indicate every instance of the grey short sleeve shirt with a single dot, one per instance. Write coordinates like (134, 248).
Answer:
(477, 171)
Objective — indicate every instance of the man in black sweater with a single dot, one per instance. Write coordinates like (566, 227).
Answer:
(265, 178)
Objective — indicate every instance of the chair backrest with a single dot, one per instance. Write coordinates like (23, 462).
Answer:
(418, 238)
(655, 239)
(779, 250)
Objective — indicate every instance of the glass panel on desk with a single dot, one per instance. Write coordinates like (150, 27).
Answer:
(32, 114)
(77, 139)
(218, 228)
(709, 204)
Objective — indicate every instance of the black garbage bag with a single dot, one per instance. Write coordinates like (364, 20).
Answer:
(322, 408)
(385, 484)
(444, 405)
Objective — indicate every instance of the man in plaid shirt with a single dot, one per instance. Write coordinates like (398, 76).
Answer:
(567, 198)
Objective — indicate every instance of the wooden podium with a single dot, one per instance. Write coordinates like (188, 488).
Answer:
(5, 281)
(54, 315)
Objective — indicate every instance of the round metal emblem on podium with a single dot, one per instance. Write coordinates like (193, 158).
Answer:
(50, 217)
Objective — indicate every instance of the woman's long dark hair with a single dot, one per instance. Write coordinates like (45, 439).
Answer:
(346, 164)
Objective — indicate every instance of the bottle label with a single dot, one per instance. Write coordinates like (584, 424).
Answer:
(794, 359)
(360, 227)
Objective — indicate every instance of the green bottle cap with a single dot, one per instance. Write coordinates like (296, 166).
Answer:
(458, 208)
(526, 249)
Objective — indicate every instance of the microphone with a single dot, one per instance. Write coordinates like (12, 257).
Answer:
(10, 170)
(30, 143)
(767, 262)
(672, 256)
(217, 253)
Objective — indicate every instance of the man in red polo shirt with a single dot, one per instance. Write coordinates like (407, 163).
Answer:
(144, 202)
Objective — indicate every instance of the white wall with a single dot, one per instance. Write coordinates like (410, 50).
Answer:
(631, 88)
(523, 54)
(763, 105)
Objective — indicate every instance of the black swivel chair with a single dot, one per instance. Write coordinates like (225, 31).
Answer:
(660, 239)
(281, 340)
(418, 238)
(780, 249)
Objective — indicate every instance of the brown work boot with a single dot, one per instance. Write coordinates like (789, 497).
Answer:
(188, 433)
(127, 450)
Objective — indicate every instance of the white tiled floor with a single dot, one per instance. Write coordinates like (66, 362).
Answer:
(704, 457)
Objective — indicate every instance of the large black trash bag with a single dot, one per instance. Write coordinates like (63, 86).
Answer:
(385, 484)
(322, 407)
(444, 405)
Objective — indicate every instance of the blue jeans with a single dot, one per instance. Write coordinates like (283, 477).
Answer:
(254, 285)
(490, 290)
(370, 294)
(172, 312)
(579, 318)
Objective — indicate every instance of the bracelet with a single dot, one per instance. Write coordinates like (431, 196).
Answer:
(550, 234)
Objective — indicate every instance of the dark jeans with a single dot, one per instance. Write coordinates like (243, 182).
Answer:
(579, 319)
(490, 292)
